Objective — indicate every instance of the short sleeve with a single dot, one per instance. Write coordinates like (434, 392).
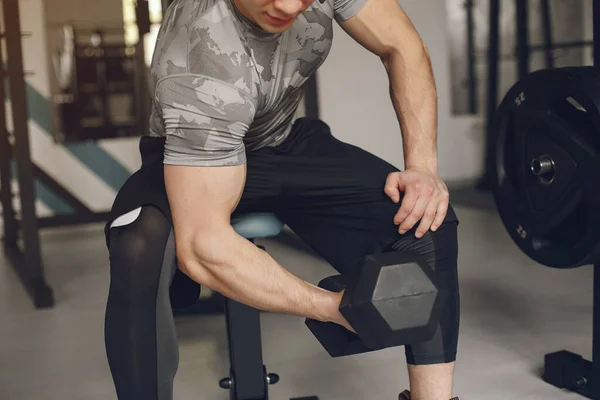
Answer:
(346, 9)
(205, 120)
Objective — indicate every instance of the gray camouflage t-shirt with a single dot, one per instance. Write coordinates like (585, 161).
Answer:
(222, 86)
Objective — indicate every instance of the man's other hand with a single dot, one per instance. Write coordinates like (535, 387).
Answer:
(425, 198)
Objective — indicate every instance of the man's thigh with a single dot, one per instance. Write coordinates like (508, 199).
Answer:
(333, 196)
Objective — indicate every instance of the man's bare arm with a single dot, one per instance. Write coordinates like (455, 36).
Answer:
(214, 255)
(383, 28)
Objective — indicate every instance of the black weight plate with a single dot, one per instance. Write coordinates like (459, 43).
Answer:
(546, 136)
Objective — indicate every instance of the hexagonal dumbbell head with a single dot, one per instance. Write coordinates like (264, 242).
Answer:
(393, 300)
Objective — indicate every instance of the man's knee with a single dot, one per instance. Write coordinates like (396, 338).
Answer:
(439, 248)
(440, 251)
(445, 241)
(137, 253)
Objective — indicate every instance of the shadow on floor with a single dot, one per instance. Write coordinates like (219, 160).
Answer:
(471, 197)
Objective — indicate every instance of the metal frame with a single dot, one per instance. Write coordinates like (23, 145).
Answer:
(596, 317)
(596, 320)
(492, 90)
(523, 50)
(471, 56)
(248, 378)
(27, 260)
(10, 223)
(547, 28)
(247, 372)
(21, 241)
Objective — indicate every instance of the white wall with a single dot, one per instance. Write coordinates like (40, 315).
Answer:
(355, 102)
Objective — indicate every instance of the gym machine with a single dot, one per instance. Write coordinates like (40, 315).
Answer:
(103, 89)
(26, 260)
(544, 165)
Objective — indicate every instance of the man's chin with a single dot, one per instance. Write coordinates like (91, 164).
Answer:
(271, 27)
(276, 29)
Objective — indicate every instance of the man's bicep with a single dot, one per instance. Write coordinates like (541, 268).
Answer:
(205, 121)
(382, 27)
(202, 200)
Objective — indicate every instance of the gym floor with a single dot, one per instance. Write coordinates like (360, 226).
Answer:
(513, 312)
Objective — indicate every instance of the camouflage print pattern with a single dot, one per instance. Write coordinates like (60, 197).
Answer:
(222, 86)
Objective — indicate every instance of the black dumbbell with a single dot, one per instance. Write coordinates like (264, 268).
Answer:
(392, 300)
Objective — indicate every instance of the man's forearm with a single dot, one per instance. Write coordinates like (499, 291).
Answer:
(238, 269)
(414, 96)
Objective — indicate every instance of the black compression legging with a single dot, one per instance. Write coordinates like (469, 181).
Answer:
(328, 192)
(140, 336)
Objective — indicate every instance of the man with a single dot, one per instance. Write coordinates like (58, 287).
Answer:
(227, 79)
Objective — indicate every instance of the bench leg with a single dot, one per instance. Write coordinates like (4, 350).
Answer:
(248, 379)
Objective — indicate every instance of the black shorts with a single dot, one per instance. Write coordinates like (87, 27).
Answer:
(331, 195)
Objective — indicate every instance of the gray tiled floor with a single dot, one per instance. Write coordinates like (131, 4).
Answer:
(513, 312)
